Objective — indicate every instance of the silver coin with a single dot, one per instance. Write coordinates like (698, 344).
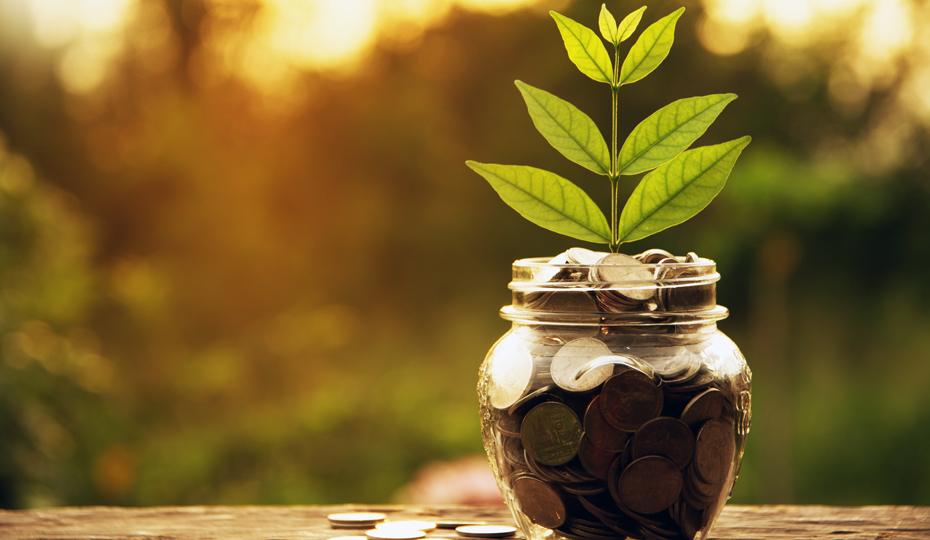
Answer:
(395, 534)
(407, 525)
(618, 363)
(356, 517)
(573, 358)
(675, 364)
(511, 372)
(546, 273)
(652, 256)
(486, 531)
(622, 269)
(453, 524)
(583, 256)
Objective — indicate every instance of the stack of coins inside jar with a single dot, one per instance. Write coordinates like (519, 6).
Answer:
(614, 408)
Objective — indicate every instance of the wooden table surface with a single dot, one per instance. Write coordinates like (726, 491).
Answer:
(309, 522)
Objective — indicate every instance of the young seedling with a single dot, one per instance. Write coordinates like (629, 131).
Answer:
(681, 183)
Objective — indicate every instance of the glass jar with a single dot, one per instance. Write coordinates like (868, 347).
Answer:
(614, 407)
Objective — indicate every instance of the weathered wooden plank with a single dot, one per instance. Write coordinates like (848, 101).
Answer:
(309, 522)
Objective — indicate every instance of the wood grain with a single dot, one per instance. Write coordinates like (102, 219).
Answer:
(309, 522)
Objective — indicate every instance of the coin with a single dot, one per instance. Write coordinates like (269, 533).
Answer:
(568, 301)
(539, 502)
(395, 534)
(508, 425)
(664, 436)
(676, 365)
(452, 524)
(355, 519)
(705, 406)
(573, 358)
(594, 460)
(583, 256)
(697, 493)
(599, 432)
(653, 256)
(690, 519)
(620, 269)
(530, 400)
(415, 525)
(584, 488)
(551, 433)
(650, 484)
(511, 372)
(714, 450)
(629, 399)
(544, 273)
(513, 450)
(485, 531)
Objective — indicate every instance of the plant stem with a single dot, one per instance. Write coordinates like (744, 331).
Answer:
(614, 175)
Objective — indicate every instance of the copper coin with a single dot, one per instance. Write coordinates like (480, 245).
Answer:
(594, 460)
(650, 484)
(512, 448)
(530, 400)
(629, 399)
(508, 425)
(714, 449)
(585, 488)
(551, 433)
(539, 501)
(690, 519)
(599, 432)
(699, 494)
(667, 437)
(705, 406)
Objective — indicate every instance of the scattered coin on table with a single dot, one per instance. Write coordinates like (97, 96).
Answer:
(486, 531)
(355, 520)
(395, 534)
(425, 526)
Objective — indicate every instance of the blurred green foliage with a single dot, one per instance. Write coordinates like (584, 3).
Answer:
(205, 298)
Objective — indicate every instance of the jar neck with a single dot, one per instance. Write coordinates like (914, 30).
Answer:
(631, 294)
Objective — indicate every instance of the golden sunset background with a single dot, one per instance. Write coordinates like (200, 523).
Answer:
(242, 260)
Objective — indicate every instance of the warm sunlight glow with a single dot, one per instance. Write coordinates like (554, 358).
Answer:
(90, 29)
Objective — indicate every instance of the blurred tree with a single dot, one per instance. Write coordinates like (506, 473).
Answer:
(237, 277)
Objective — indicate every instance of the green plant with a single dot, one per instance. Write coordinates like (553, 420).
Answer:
(682, 182)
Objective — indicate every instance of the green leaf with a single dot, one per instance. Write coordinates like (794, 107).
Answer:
(567, 129)
(608, 26)
(547, 200)
(678, 190)
(628, 24)
(669, 131)
(650, 49)
(584, 48)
